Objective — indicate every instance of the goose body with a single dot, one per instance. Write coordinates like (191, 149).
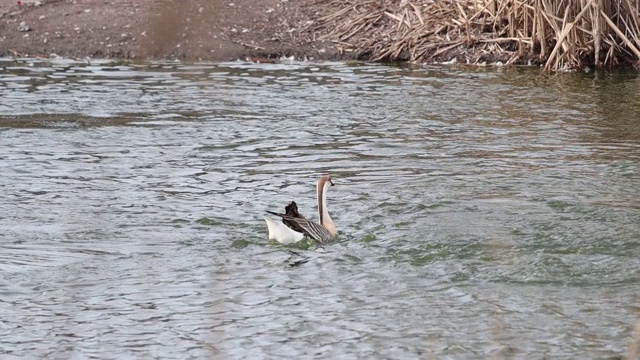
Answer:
(294, 227)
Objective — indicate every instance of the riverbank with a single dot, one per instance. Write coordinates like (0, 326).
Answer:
(154, 29)
(578, 34)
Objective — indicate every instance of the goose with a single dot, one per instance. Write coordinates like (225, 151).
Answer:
(294, 227)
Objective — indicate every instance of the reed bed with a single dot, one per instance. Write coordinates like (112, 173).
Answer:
(559, 34)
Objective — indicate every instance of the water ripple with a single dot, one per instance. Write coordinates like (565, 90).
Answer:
(481, 213)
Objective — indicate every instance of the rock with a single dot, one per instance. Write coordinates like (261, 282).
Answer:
(24, 27)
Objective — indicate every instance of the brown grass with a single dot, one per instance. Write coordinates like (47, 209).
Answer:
(561, 34)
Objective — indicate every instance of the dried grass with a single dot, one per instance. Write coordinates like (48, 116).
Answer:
(561, 34)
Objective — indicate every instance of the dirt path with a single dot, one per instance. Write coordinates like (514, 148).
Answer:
(216, 30)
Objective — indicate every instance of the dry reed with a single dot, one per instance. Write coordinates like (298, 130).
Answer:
(561, 34)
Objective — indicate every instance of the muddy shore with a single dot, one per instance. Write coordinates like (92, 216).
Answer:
(212, 30)
(480, 32)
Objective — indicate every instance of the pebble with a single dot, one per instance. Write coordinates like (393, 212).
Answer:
(24, 27)
(41, 17)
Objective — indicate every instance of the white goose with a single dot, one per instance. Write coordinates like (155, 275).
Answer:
(294, 226)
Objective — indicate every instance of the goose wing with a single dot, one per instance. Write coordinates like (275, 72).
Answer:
(310, 228)
(299, 223)
(290, 216)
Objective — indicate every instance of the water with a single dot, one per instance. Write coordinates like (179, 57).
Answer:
(482, 213)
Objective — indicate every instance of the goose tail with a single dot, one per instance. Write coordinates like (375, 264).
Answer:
(281, 233)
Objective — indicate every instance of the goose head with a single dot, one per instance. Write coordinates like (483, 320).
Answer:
(325, 182)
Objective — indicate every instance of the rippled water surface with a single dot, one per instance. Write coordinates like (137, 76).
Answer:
(482, 214)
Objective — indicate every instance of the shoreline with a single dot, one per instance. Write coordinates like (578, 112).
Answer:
(157, 30)
(480, 33)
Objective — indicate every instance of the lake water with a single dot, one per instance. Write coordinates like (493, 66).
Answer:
(483, 213)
